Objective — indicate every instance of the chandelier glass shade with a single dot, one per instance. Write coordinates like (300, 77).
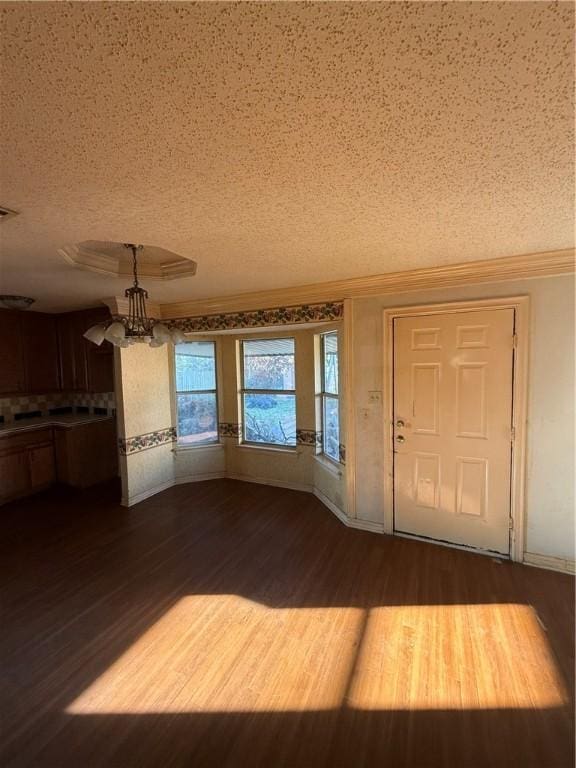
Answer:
(136, 326)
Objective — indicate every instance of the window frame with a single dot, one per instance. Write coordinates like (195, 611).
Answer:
(244, 391)
(323, 394)
(205, 443)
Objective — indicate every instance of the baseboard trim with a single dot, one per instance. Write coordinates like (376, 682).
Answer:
(365, 525)
(361, 525)
(551, 563)
(266, 481)
(331, 506)
(200, 477)
(137, 498)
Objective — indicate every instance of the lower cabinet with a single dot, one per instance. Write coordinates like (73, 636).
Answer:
(80, 456)
(42, 466)
(26, 463)
(14, 475)
(87, 454)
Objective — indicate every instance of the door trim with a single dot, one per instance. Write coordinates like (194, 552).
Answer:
(521, 307)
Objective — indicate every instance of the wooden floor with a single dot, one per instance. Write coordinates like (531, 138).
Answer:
(232, 624)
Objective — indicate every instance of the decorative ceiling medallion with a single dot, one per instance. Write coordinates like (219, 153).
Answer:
(112, 259)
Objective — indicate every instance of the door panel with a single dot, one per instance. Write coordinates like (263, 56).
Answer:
(452, 427)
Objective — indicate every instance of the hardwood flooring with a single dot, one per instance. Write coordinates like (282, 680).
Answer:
(232, 624)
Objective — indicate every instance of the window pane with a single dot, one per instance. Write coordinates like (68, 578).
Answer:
(197, 418)
(269, 364)
(330, 351)
(270, 419)
(331, 432)
(195, 366)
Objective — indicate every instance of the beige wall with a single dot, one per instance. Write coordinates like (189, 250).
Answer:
(143, 389)
(550, 465)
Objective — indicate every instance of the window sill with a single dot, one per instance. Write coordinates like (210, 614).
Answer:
(331, 466)
(183, 448)
(288, 449)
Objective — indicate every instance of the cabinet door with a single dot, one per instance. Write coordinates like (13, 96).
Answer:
(90, 371)
(101, 369)
(65, 328)
(100, 360)
(42, 466)
(80, 351)
(40, 352)
(11, 357)
(14, 477)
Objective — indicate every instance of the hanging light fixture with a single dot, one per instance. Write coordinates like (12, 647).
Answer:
(136, 327)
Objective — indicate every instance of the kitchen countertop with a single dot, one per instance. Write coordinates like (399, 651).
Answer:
(65, 421)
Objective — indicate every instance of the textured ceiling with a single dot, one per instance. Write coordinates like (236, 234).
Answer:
(281, 143)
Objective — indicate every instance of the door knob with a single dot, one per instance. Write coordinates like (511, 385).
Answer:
(400, 439)
(399, 423)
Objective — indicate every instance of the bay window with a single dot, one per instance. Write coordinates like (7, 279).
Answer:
(196, 395)
(268, 394)
(329, 395)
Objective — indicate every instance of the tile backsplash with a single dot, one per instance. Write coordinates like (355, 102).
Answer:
(18, 407)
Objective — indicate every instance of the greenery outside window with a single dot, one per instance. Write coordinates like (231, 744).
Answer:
(196, 396)
(329, 395)
(268, 393)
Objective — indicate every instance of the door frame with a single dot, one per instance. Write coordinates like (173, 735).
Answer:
(521, 307)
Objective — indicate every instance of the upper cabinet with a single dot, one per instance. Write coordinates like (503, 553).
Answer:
(40, 345)
(84, 366)
(43, 353)
(12, 378)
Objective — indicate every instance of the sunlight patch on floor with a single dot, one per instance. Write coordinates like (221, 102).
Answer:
(264, 659)
(455, 657)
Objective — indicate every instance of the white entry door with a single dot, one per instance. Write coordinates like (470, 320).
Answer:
(453, 376)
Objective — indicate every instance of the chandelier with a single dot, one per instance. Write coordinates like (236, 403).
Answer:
(136, 327)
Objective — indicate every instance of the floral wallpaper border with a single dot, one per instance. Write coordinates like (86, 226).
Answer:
(137, 443)
(304, 313)
(228, 429)
(309, 437)
(129, 445)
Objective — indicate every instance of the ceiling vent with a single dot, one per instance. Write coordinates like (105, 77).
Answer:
(6, 213)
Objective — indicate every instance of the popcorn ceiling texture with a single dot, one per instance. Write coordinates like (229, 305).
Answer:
(281, 143)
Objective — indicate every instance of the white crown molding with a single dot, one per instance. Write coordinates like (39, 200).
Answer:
(447, 276)
(90, 260)
(82, 257)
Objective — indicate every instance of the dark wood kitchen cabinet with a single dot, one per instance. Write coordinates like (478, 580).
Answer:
(27, 463)
(42, 353)
(79, 455)
(28, 353)
(40, 346)
(12, 378)
(84, 367)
